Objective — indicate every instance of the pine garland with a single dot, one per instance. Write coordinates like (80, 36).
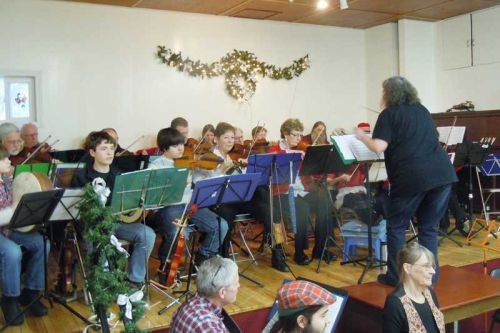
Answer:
(105, 266)
(239, 68)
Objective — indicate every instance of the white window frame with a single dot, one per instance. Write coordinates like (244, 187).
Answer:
(33, 79)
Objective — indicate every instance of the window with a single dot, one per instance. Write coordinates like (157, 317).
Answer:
(17, 99)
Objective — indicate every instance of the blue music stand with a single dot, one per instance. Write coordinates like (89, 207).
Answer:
(279, 163)
(276, 169)
(213, 192)
(491, 165)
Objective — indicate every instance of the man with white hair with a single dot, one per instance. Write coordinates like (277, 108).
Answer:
(218, 284)
(10, 137)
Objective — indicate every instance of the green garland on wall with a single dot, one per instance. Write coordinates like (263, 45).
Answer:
(107, 279)
(239, 68)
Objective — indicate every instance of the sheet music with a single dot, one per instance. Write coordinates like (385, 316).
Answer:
(451, 135)
(334, 311)
(342, 143)
(70, 199)
(361, 151)
(377, 172)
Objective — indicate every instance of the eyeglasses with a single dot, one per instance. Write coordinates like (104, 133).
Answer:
(426, 266)
(13, 142)
(296, 135)
(215, 275)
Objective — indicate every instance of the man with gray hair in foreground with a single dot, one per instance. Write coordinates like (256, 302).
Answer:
(217, 283)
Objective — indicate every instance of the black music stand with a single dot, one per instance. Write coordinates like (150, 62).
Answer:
(129, 163)
(276, 169)
(68, 156)
(472, 155)
(36, 209)
(322, 160)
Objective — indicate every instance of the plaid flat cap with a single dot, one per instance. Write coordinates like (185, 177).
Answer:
(298, 295)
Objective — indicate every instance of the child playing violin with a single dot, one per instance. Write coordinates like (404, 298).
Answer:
(171, 144)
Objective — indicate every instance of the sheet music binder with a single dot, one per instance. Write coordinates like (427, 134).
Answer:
(352, 150)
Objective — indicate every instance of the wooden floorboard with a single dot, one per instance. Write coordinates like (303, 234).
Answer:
(250, 296)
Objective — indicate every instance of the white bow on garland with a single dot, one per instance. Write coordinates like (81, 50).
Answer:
(126, 301)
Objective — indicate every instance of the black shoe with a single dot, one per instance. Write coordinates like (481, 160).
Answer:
(327, 256)
(37, 309)
(302, 259)
(11, 310)
(384, 279)
(278, 262)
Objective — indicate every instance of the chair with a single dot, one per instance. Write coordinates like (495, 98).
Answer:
(496, 316)
(242, 223)
(355, 234)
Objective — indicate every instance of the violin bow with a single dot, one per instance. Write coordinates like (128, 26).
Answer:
(130, 145)
(33, 153)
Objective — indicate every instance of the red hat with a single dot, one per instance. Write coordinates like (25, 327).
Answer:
(298, 295)
(364, 126)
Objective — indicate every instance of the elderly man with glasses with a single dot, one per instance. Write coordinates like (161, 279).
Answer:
(218, 284)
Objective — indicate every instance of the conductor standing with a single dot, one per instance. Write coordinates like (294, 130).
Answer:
(419, 170)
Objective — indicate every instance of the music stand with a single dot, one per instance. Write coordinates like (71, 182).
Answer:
(36, 209)
(322, 160)
(276, 169)
(129, 163)
(35, 167)
(471, 155)
(68, 156)
(214, 192)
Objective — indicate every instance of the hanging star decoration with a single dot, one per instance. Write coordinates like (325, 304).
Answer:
(239, 68)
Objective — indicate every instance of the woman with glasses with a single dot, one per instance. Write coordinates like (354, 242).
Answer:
(413, 306)
(307, 201)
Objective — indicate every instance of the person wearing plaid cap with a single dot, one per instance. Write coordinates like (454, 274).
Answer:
(303, 307)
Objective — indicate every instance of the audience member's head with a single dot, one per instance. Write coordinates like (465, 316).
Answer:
(29, 134)
(303, 307)
(11, 138)
(416, 265)
(218, 280)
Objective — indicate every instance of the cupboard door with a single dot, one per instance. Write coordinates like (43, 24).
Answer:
(456, 42)
(486, 36)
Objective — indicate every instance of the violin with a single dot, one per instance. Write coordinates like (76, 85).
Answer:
(171, 278)
(208, 161)
(195, 147)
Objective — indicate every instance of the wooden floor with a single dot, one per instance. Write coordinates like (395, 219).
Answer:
(250, 296)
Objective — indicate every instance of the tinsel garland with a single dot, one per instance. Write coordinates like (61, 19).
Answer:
(239, 68)
(105, 266)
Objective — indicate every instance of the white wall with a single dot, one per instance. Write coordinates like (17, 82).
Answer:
(417, 58)
(381, 63)
(98, 69)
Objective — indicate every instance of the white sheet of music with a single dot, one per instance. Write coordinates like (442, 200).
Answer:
(70, 199)
(451, 135)
(343, 143)
(334, 311)
(378, 172)
(361, 151)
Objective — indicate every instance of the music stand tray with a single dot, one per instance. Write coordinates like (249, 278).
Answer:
(35, 208)
(283, 172)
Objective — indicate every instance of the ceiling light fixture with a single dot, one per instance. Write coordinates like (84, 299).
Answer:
(344, 4)
(322, 4)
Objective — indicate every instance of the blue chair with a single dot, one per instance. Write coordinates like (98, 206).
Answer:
(355, 234)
